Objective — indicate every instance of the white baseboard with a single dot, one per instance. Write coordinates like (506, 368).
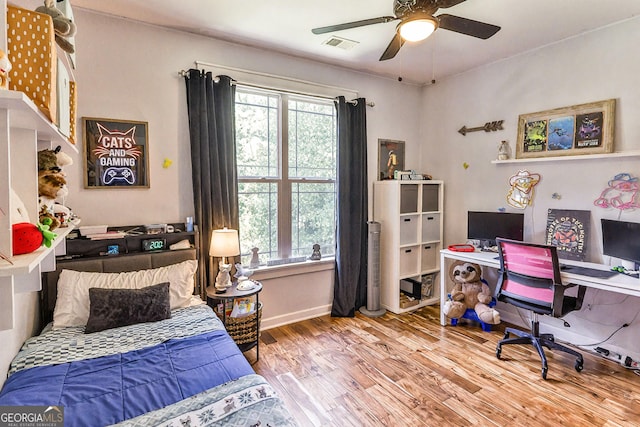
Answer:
(285, 319)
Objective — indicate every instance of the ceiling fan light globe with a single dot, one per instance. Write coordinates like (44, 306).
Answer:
(417, 29)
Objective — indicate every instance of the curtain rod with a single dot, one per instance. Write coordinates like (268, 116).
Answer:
(199, 64)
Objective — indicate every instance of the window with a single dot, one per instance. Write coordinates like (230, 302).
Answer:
(284, 211)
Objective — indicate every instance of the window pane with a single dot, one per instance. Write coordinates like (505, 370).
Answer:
(257, 134)
(312, 139)
(258, 220)
(313, 213)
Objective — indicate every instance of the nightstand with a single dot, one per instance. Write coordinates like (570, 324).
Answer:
(245, 330)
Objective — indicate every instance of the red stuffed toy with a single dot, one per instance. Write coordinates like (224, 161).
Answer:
(28, 237)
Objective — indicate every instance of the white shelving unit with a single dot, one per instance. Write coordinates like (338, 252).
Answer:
(410, 214)
(23, 131)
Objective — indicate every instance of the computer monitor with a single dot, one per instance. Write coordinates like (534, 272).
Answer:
(486, 226)
(621, 239)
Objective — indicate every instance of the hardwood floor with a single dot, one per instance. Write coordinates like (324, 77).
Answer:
(407, 370)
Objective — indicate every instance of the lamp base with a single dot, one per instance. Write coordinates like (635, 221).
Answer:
(221, 291)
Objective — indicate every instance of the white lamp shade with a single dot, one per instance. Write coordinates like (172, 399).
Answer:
(418, 29)
(224, 243)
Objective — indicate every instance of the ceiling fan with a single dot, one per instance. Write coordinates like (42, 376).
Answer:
(417, 22)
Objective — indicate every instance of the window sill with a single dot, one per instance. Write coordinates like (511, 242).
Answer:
(285, 270)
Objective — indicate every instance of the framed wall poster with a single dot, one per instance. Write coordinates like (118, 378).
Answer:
(569, 131)
(116, 153)
(390, 157)
(568, 230)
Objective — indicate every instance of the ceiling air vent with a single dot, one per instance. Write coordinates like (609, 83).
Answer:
(341, 43)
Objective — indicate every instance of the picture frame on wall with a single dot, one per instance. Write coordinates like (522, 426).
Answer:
(116, 153)
(390, 158)
(568, 131)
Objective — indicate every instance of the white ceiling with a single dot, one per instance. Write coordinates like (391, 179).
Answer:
(285, 26)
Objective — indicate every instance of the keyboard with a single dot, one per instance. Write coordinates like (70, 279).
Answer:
(586, 271)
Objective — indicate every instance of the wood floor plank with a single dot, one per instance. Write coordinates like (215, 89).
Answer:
(408, 370)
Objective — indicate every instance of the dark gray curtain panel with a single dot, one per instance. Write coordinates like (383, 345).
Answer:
(211, 109)
(350, 284)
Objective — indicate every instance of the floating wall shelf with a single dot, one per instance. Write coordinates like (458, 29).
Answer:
(567, 158)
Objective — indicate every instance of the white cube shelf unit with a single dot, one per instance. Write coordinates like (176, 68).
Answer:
(410, 214)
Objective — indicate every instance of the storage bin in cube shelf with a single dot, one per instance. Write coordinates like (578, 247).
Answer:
(34, 59)
(428, 281)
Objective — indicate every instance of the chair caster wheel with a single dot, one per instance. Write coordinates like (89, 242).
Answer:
(579, 367)
(544, 373)
(498, 352)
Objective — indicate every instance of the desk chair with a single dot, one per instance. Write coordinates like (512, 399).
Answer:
(530, 279)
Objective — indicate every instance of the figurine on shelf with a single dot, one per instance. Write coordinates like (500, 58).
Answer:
(223, 279)
(315, 256)
(392, 162)
(5, 67)
(255, 261)
(503, 151)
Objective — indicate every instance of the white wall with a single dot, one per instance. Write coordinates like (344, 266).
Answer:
(130, 71)
(593, 67)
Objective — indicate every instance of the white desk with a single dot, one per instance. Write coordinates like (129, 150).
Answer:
(619, 283)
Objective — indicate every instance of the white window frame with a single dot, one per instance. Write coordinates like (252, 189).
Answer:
(284, 183)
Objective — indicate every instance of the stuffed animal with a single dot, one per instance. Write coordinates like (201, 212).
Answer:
(28, 237)
(469, 292)
(53, 160)
(5, 67)
(51, 185)
(62, 26)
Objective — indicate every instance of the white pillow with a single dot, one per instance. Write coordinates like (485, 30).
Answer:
(72, 302)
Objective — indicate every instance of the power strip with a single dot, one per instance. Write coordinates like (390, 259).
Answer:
(609, 354)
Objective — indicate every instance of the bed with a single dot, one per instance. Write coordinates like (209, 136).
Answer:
(164, 357)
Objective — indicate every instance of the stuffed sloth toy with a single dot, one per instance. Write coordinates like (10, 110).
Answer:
(469, 292)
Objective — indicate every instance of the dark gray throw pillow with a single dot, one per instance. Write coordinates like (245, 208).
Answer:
(112, 308)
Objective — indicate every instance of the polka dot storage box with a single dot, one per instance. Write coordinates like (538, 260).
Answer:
(73, 102)
(33, 56)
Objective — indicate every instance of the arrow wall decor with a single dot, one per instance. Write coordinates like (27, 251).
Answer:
(488, 127)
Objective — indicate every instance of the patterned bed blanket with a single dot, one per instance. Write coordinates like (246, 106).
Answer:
(69, 344)
(248, 401)
(186, 368)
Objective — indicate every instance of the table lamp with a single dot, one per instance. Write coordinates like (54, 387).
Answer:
(224, 243)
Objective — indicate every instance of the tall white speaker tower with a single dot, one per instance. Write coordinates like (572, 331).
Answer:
(373, 308)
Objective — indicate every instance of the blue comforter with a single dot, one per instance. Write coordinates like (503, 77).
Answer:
(109, 389)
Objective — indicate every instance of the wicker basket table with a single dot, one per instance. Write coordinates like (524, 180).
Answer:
(244, 330)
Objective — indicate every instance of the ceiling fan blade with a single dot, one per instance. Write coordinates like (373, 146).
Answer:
(393, 48)
(466, 26)
(443, 4)
(354, 24)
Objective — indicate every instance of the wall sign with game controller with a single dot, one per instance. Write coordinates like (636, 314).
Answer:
(116, 153)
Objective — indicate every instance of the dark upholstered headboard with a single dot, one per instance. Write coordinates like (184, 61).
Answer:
(105, 264)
